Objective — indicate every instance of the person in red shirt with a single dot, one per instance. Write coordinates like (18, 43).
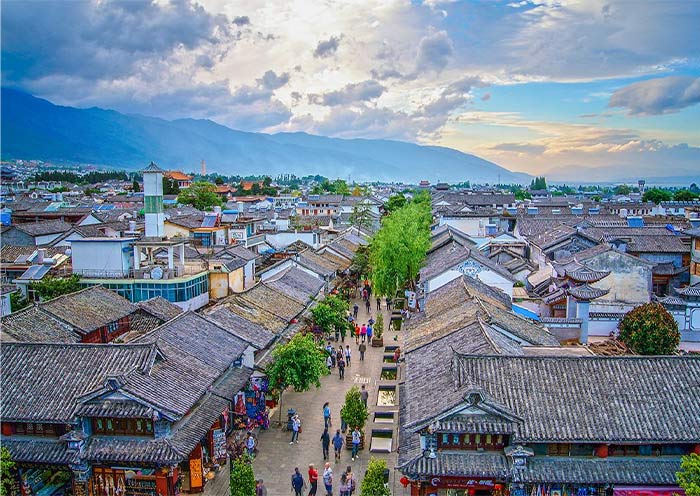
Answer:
(313, 480)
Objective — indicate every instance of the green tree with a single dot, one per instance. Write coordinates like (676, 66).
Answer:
(331, 314)
(6, 466)
(219, 180)
(170, 186)
(684, 195)
(340, 187)
(299, 364)
(360, 262)
(374, 482)
(356, 191)
(395, 202)
(398, 249)
(242, 481)
(689, 476)
(135, 186)
(354, 412)
(379, 326)
(656, 195)
(522, 195)
(17, 301)
(53, 287)
(538, 183)
(650, 329)
(361, 215)
(622, 189)
(201, 195)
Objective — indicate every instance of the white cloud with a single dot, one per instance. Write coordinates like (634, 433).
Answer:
(658, 96)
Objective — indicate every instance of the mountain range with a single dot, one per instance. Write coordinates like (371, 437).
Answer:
(33, 128)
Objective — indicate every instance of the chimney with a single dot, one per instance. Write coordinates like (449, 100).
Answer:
(40, 253)
(132, 226)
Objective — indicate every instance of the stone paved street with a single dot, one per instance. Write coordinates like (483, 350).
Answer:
(277, 458)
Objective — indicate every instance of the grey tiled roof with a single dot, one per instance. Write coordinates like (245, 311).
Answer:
(114, 408)
(160, 307)
(450, 254)
(587, 292)
(249, 331)
(45, 227)
(297, 284)
(38, 450)
(612, 470)
(59, 375)
(34, 325)
(612, 399)
(90, 308)
(491, 465)
(693, 290)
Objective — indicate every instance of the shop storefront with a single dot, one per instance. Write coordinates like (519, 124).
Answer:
(132, 481)
(250, 407)
(461, 486)
(596, 490)
(44, 481)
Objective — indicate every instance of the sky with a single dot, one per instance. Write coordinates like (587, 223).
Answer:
(588, 89)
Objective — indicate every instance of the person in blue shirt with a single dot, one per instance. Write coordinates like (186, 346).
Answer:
(326, 415)
(356, 437)
(297, 482)
(338, 442)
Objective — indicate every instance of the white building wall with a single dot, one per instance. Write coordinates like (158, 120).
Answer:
(101, 256)
(195, 303)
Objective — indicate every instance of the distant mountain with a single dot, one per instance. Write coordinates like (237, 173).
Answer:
(33, 128)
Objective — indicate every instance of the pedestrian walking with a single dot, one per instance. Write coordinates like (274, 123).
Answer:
(339, 354)
(397, 355)
(260, 489)
(364, 394)
(298, 483)
(379, 304)
(296, 429)
(348, 354)
(341, 368)
(313, 480)
(388, 303)
(326, 415)
(355, 310)
(363, 332)
(328, 479)
(250, 444)
(369, 289)
(325, 443)
(338, 442)
(356, 437)
(364, 294)
(362, 348)
(344, 490)
(352, 483)
(369, 333)
(368, 305)
(329, 363)
(357, 334)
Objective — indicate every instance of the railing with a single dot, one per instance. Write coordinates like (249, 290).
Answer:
(254, 240)
(142, 273)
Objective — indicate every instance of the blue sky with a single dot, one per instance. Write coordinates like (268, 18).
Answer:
(597, 89)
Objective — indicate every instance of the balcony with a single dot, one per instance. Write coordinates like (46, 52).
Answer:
(143, 272)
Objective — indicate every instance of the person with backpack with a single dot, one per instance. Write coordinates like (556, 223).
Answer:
(341, 368)
(298, 483)
(344, 490)
(338, 442)
(325, 443)
(352, 483)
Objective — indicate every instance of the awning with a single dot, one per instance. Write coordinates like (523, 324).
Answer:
(647, 491)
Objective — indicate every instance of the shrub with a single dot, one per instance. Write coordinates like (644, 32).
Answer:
(650, 329)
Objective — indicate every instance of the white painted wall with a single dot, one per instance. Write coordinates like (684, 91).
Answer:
(282, 240)
(468, 225)
(46, 239)
(106, 256)
(195, 303)
(487, 277)
(249, 274)
(5, 307)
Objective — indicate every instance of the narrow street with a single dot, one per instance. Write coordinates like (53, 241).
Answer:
(277, 458)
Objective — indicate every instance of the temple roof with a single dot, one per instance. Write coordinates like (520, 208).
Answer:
(587, 292)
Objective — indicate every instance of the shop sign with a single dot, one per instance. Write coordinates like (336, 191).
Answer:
(196, 473)
(462, 482)
(219, 444)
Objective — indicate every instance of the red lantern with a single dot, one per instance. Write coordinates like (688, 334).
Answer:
(472, 491)
(404, 481)
(498, 487)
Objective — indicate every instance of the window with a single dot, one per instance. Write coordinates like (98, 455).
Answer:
(39, 430)
(623, 450)
(122, 426)
(582, 450)
(558, 449)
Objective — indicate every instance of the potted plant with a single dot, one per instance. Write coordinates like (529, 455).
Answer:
(377, 339)
(354, 413)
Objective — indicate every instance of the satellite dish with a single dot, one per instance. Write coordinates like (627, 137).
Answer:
(68, 252)
(157, 273)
